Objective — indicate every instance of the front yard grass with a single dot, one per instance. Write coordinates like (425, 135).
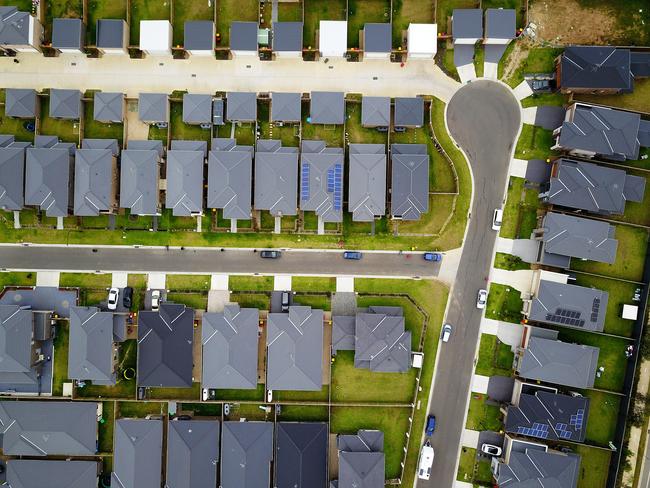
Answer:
(8, 278)
(534, 143)
(361, 12)
(520, 210)
(406, 12)
(185, 10)
(536, 60)
(637, 212)
(479, 59)
(504, 303)
(494, 357)
(545, 99)
(594, 465)
(196, 300)
(188, 282)
(317, 302)
(250, 283)
(234, 10)
(147, 10)
(482, 416)
(103, 9)
(603, 415)
(313, 283)
(85, 280)
(317, 10)
(260, 301)
(510, 262)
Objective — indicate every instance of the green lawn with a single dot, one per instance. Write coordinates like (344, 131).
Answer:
(413, 319)
(193, 393)
(520, 211)
(356, 133)
(594, 464)
(534, 143)
(23, 5)
(518, 5)
(181, 130)
(103, 9)
(99, 130)
(317, 10)
(445, 59)
(444, 9)
(638, 100)
(140, 409)
(228, 395)
(630, 256)
(603, 415)
(17, 279)
(60, 369)
(287, 133)
(196, 300)
(510, 262)
(127, 358)
(361, 12)
(494, 357)
(202, 409)
(303, 413)
(188, 282)
(504, 303)
(185, 10)
(60, 9)
(85, 280)
(66, 130)
(15, 127)
(331, 134)
(537, 60)
(319, 301)
(250, 283)
(545, 99)
(106, 427)
(313, 283)
(479, 60)
(466, 464)
(301, 396)
(261, 301)
(482, 416)
(229, 11)
(410, 11)
(637, 212)
(147, 10)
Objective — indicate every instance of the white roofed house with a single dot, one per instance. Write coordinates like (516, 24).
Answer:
(333, 38)
(422, 41)
(156, 37)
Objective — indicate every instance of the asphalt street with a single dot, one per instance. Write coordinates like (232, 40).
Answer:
(484, 119)
(210, 260)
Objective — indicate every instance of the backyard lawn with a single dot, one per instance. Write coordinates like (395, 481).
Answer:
(504, 303)
(355, 132)
(65, 130)
(534, 143)
(99, 130)
(106, 427)
(234, 10)
(482, 416)
(594, 464)
(147, 10)
(413, 319)
(244, 133)
(193, 393)
(494, 357)
(288, 133)
(520, 211)
(603, 415)
(125, 388)
(510, 262)
(181, 130)
(185, 10)
(256, 394)
(410, 11)
(637, 212)
(533, 60)
(140, 409)
(638, 100)
(23, 5)
(303, 413)
(103, 9)
(331, 134)
(301, 396)
(16, 127)
(444, 9)
(60, 9)
(361, 12)
(317, 10)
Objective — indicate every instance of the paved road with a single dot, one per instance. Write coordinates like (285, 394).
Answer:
(83, 259)
(483, 118)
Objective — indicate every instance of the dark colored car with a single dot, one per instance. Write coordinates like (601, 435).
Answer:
(127, 296)
(355, 255)
(432, 256)
(268, 254)
(431, 424)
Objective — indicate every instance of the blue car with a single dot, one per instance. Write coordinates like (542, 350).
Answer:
(355, 255)
(432, 256)
(431, 424)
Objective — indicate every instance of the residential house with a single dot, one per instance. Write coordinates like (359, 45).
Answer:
(246, 454)
(68, 35)
(156, 37)
(110, 144)
(112, 36)
(301, 454)
(185, 145)
(327, 108)
(500, 26)
(375, 111)
(591, 187)
(230, 181)
(287, 39)
(48, 428)
(410, 181)
(421, 41)
(21, 103)
(48, 174)
(333, 38)
(294, 344)
(197, 109)
(153, 108)
(184, 193)
(230, 345)
(367, 183)
(65, 104)
(409, 112)
(108, 107)
(95, 182)
(137, 458)
(48, 299)
(276, 179)
(19, 31)
(243, 38)
(93, 348)
(12, 178)
(589, 131)
(139, 181)
(285, 107)
(467, 25)
(241, 107)
(377, 40)
(321, 181)
(192, 453)
(595, 69)
(361, 459)
(29, 473)
(199, 37)
(562, 237)
(640, 64)
(381, 342)
(147, 145)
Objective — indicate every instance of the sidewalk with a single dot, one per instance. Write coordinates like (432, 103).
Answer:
(526, 249)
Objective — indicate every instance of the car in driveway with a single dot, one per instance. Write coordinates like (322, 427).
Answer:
(426, 461)
(446, 333)
(432, 256)
(155, 300)
(113, 297)
(353, 255)
(284, 301)
(127, 297)
(431, 425)
(491, 450)
(497, 219)
(270, 254)
(481, 299)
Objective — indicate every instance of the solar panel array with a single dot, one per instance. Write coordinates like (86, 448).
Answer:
(304, 181)
(537, 430)
(562, 431)
(595, 308)
(578, 419)
(566, 317)
(337, 186)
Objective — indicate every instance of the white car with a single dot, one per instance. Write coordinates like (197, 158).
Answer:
(113, 297)
(426, 461)
(269, 396)
(491, 450)
(446, 333)
(481, 300)
(155, 300)
(497, 219)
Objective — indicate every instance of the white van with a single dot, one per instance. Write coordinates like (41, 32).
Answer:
(426, 461)
(497, 219)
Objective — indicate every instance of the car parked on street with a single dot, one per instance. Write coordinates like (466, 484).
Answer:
(491, 450)
(446, 333)
(127, 297)
(270, 254)
(431, 425)
(113, 297)
(432, 256)
(354, 255)
(481, 299)
(497, 219)
(426, 461)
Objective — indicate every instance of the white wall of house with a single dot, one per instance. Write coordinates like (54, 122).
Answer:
(243, 53)
(497, 41)
(288, 54)
(201, 52)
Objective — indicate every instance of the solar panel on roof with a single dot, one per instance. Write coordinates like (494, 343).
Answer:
(304, 182)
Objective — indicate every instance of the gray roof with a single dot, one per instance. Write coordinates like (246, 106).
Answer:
(20, 102)
(241, 106)
(230, 175)
(230, 346)
(197, 108)
(604, 131)
(295, 349)
(596, 68)
(301, 454)
(276, 182)
(560, 363)
(322, 181)
(199, 35)
(362, 441)
(567, 305)
(90, 354)
(192, 453)
(591, 187)
(377, 38)
(381, 343)
(184, 145)
(243, 36)
(409, 111)
(14, 27)
(42, 428)
(548, 415)
(644, 132)
(47, 176)
(185, 182)
(33, 473)
(110, 33)
(108, 107)
(139, 181)
(94, 189)
(410, 181)
(153, 107)
(285, 107)
(16, 328)
(102, 144)
(12, 178)
(148, 145)
(68, 33)
(327, 108)
(640, 63)
(65, 104)
(165, 346)
(500, 23)
(367, 183)
(287, 36)
(361, 469)
(467, 23)
(246, 454)
(538, 468)
(375, 111)
(578, 237)
(137, 455)
(343, 327)
(42, 298)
